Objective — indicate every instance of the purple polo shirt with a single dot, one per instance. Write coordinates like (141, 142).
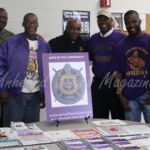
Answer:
(100, 51)
(131, 57)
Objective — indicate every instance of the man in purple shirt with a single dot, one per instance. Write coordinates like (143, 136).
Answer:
(100, 48)
(4, 34)
(131, 64)
(21, 74)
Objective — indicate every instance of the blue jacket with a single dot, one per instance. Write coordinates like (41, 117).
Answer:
(14, 55)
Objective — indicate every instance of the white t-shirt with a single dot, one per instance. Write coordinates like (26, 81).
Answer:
(31, 81)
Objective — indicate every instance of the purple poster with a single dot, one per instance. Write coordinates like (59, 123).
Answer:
(67, 86)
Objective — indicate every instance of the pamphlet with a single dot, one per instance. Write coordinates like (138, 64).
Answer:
(60, 135)
(8, 138)
(109, 122)
(86, 132)
(39, 147)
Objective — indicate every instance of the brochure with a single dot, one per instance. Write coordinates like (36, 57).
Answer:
(109, 122)
(60, 135)
(9, 138)
(39, 147)
(86, 132)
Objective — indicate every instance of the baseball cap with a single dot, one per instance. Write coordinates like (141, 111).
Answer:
(104, 13)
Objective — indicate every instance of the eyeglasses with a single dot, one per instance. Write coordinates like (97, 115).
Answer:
(29, 23)
(4, 18)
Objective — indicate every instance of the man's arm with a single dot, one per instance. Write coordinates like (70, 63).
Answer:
(48, 47)
(4, 97)
(3, 73)
(125, 104)
(147, 100)
(43, 104)
(39, 37)
(89, 50)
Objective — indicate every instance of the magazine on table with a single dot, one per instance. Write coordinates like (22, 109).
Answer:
(9, 138)
(60, 135)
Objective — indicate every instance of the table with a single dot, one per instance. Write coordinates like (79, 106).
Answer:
(74, 124)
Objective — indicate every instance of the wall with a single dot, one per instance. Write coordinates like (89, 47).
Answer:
(49, 12)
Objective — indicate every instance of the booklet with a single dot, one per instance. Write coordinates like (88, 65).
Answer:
(74, 143)
(28, 137)
(60, 135)
(113, 130)
(141, 142)
(9, 138)
(109, 122)
(64, 146)
(29, 134)
(94, 141)
(137, 129)
(33, 127)
(127, 146)
(86, 132)
(102, 147)
(18, 125)
(39, 147)
(22, 125)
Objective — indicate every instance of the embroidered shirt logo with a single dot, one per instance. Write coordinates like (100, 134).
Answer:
(1, 42)
(80, 49)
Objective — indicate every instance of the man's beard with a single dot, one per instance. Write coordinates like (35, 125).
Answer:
(138, 30)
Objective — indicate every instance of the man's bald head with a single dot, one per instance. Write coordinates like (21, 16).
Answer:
(73, 20)
(2, 9)
(73, 29)
(3, 18)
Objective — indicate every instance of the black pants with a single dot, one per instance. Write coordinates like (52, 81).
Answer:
(1, 118)
(105, 99)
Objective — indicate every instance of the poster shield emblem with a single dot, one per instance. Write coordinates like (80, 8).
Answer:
(68, 84)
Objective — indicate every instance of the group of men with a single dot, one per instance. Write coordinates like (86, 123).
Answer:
(120, 65)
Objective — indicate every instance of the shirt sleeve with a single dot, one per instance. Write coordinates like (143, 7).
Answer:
(3, 66)
(90, 50)
(115, 63)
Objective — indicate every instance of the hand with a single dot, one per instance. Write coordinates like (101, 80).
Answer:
(39, 37)
(147, 100)
(43, 103)
(4, 97)
(125, 104)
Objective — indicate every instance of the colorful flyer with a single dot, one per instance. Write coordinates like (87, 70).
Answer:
(117, 21)
(83, 16)
(86, 29)
(67, 86)
(113, 130)
(87, 132)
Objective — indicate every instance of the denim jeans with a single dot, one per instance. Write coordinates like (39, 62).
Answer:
(138, 106)
(26, 109)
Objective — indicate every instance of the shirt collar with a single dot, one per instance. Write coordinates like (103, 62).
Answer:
(106, 34)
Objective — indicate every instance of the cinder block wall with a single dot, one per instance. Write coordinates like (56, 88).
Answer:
(49, 12)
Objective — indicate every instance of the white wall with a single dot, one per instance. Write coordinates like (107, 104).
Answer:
(49, 12)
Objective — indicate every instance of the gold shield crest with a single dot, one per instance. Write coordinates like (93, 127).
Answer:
(68, 84)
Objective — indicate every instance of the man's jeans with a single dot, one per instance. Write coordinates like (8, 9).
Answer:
(26, 109)
(137, 106)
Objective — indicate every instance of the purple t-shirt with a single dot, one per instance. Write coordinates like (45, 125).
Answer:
(100, 51)
(131, 57)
